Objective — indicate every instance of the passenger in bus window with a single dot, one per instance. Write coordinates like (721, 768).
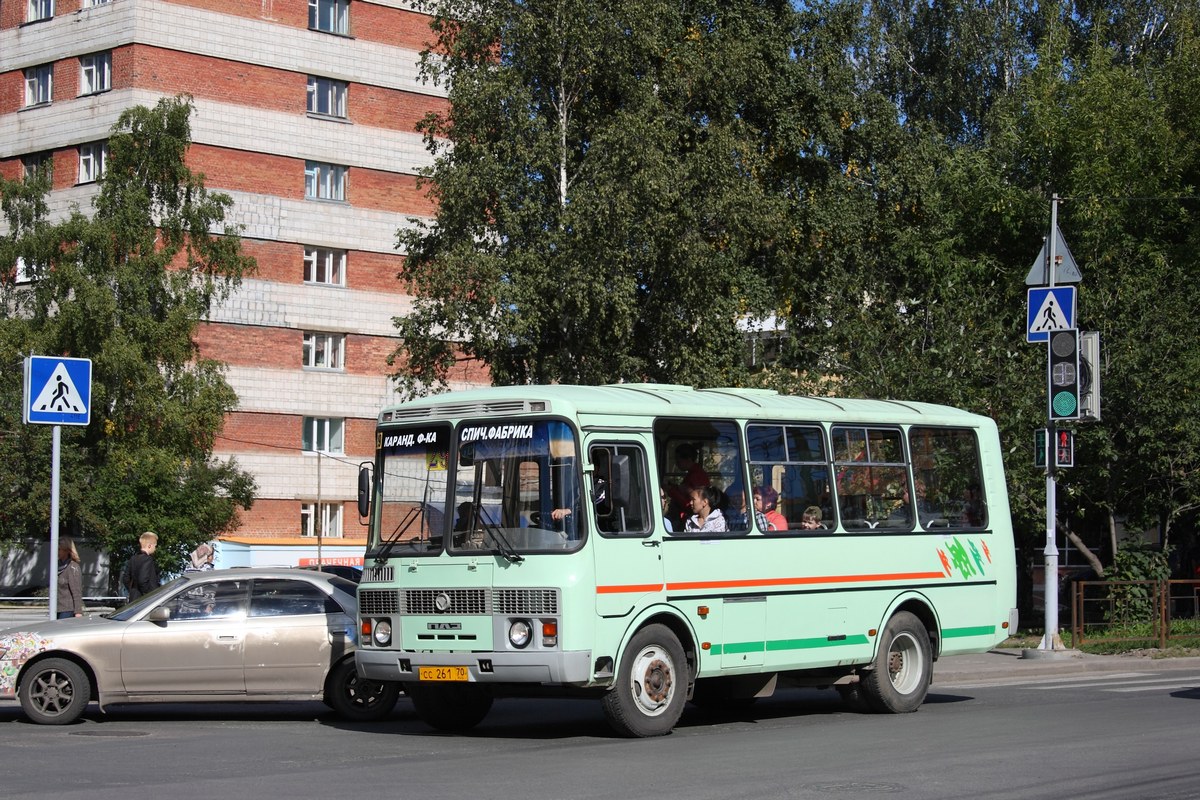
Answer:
(705, 515)
(766, 501)
(665, 500)
(811, 521)
(973, 506)
(694, 476)
(737, 515)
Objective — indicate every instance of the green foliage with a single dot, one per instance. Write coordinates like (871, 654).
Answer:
(618, 184)
(605, 186)
(125, 287)
(1146, 568)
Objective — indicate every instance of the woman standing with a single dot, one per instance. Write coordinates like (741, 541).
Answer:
(70, 581)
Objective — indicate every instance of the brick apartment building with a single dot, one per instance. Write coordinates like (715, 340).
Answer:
(305, 112)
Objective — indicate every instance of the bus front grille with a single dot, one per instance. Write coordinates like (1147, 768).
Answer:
(377, 574)
(378, 601)
(453, 601)
(525, 601)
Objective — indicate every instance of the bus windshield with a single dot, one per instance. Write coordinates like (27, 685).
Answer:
(513, 487)
(516, 487)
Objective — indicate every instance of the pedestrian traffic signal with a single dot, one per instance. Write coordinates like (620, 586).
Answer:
(1063, 374)
(1064, 449)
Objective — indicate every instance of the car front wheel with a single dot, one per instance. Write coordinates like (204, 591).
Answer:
(55, 692)
(358, 699)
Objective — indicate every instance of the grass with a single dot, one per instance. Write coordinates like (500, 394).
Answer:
(1184, 641)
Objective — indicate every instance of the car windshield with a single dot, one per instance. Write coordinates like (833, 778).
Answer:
(147, 601)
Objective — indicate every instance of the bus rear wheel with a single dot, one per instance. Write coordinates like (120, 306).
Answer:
(903, 667)
(651, 687)
(450, 708)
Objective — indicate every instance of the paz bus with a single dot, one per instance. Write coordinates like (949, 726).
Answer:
(524, 540)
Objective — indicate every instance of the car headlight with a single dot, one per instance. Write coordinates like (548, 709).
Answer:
(382, 635)
(520, 633)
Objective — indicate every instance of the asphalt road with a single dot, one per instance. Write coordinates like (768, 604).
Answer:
(1124, 732)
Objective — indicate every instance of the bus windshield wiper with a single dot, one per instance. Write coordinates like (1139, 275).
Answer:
(402, 528)
(503, 546)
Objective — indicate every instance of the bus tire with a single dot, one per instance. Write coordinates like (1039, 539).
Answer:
(55, 692)
(651, 686)
(902, 668)
(357, 699)
(450, 708)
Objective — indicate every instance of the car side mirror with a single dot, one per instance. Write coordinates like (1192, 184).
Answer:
(159, 614)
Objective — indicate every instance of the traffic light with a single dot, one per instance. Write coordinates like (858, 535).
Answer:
(1063, 374)
(1064, 448)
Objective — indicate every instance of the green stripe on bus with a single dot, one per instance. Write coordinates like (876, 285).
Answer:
(785, 644)
(978, 630)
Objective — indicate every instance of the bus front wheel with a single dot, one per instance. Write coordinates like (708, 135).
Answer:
(450, 708)
(651, 687)
(903, 667)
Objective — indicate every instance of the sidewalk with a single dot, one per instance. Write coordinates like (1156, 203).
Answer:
(1009, 664)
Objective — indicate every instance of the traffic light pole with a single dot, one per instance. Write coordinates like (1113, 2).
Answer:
(1051, 640)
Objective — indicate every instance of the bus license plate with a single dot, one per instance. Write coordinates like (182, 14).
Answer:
(443, 674)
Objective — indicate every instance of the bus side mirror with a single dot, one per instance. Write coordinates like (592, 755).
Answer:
(364, 490)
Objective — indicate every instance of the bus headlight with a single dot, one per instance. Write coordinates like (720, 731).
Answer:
(520, 633)
(382, 635)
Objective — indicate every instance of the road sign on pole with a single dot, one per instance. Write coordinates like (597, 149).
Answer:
(58, 391)
(1065, 270)
(1050, 308)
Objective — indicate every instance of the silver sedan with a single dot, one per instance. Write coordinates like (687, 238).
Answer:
(221, 635)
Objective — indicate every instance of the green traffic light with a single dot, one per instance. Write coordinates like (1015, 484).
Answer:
(1065, 404)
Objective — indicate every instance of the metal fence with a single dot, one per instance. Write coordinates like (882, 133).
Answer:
(1126, 611)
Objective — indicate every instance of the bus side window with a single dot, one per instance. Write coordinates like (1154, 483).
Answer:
(790, 471)
(620, 489)
(696, 453)
(949, 484)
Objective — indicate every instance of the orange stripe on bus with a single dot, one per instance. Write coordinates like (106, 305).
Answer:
(759, 582)
(639, 587)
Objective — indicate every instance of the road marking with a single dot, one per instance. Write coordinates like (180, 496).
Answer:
(1019, 681)
(1102, 683)
(1193, 684)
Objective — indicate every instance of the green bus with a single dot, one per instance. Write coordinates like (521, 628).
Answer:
(652, 544)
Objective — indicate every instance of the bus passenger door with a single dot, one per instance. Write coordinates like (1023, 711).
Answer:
(628, 532)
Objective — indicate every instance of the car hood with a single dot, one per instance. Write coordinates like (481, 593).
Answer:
(58, 628)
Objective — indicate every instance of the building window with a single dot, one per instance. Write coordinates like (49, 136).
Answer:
(326, 266)
(324, 181)
(95, 73)
(26, 272)
(331, 16)
(327, 96)
(324, 350)
(91, 161)
(39, 85)
(91, 3)
(33, 163)
(330, 517)
(44, 9)
(323, 435)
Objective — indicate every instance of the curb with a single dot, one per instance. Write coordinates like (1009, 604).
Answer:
(1014, 665)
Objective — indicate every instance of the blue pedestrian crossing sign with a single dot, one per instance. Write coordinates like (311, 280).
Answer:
(58, 391)
(1051, 308)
